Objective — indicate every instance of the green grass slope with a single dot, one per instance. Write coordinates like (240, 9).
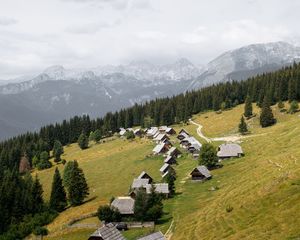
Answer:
(262, 188)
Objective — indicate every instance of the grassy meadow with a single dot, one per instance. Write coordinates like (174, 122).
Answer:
(254, 197)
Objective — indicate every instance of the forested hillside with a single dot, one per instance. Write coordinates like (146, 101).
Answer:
(278, 86)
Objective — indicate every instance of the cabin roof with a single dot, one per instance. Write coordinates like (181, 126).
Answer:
(229, 150)
(158, 148)
(164, 167)
(139, 182)
(160, 137)
(108, 232)
(125, 205)
(203, 170)
(168, 158)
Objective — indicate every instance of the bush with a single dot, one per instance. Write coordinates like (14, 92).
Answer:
(294, 107)
(229, 208)
(129, 135)
(40, 231)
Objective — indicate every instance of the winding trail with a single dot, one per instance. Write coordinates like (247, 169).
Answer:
(232, 138)
(199, 132)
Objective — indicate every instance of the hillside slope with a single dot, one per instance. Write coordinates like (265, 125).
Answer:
(263, 188)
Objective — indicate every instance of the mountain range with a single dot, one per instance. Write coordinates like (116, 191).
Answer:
(58, 93)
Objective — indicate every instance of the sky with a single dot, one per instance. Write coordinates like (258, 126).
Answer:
(36, 34)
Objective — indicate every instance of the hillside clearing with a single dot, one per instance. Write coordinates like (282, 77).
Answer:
(262, 188)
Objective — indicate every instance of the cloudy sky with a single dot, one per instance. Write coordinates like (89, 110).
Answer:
(35, 34)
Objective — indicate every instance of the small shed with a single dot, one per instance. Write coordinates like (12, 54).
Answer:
(200, 173)
(160, 149)
(122, 132)
(167, 142)
(153, 236)
(125, 205)
(107, 232)
(170, 131)
(182, 134)
(151, 132)
(170, 160)
(138, 132)
(229, 150)
(161, 137)
(174, 152)
(163, 129)
(165, 169)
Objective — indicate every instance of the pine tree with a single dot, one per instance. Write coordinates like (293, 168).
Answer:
(248, 107)
(77, 186)
(58, 200)
(97, 136)
(140, 205)
(243, 126)
(58, 150)
(83, 141)
(37, 195)
(170, 179)
(266, 116)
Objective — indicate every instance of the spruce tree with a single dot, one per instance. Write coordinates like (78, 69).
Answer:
(140, 205)
(83, 141)
(58, 200)
(170, 179)
(248, 107)
(37, 195)
(266, 116)
(58, 150)
(243, 126)
(77, 186)
(97, 136)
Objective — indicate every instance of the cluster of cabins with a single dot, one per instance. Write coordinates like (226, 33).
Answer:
(144, 181)
(161, 136)
(125, 206)
(110, 232)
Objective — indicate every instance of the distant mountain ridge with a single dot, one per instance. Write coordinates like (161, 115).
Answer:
(58, 93)
(252, 59)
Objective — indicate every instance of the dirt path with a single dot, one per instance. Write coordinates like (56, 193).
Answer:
(232, 138)
(199, 132)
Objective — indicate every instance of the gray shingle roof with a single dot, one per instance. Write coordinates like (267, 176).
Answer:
(160, 137)
(230, 150)
(164, 167)
(124, 204)
(169, 159)
(162, 188)
(158, 148)
(203, 170)
(108, 232)
(139, 182)
(153, 236)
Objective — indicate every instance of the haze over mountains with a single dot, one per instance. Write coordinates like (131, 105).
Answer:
(58, 93)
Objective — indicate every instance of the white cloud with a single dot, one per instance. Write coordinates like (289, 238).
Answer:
(82, 33)
(5, 21)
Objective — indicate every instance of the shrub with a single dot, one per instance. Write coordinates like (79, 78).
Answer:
(229, 208)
